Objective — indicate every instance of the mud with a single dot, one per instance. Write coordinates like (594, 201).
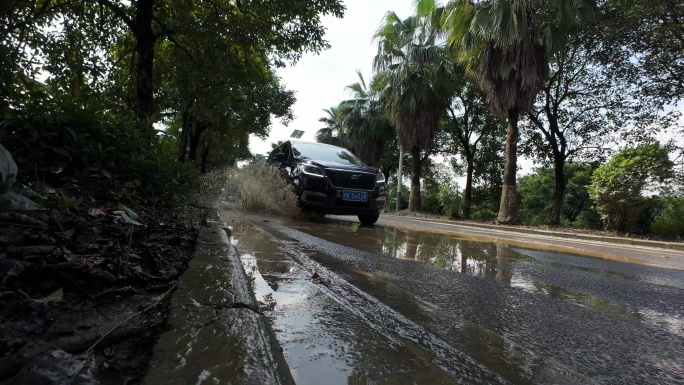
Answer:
(83, 294)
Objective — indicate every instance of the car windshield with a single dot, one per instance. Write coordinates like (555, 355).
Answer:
(319, 152)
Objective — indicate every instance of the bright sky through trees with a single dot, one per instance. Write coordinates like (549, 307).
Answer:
(319, 80)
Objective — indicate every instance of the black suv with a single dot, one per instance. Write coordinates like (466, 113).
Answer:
(331, 180)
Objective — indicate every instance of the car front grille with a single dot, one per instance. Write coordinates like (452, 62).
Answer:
(351, 180)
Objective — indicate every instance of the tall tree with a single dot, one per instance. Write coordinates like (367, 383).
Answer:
(652, 34)
(468, 123)
(506, 44)
(365, 127)
(582, 103)
(416, 87)
(286, 28)
(618, 186)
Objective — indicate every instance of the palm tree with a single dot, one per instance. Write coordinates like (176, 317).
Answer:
(507, 45)
(365, 126)
(414, 71)
(332, 132)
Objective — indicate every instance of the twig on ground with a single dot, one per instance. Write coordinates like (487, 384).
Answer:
(94, 345)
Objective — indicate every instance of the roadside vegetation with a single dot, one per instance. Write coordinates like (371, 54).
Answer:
(114, 119)
(588, 91)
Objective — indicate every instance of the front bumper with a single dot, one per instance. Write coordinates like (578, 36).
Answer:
(319, 195)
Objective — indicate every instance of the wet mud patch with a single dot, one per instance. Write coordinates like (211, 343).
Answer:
(83, 294)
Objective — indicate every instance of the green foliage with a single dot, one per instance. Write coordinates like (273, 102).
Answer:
(440, 191)
(449, 199)
(649, 32)
(536, 196)
(483, 213)
(432, 205)
(81, 149)
(618, 187)
(670, 220)
(392, 196)
(588, 219)
(536, 191)
(363, 126)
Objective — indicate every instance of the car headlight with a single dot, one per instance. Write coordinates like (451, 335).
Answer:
(311, 170)
(380, 178)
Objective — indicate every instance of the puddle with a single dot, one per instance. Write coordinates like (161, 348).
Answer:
(501, 263)
(345, 326)
(487, 260)
(325, 339)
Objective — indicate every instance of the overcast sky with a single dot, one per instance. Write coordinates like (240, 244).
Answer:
(319, 80)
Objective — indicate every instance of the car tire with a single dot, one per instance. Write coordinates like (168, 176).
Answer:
(369, 220)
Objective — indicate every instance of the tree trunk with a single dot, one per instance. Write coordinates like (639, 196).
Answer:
(194, 142)
(185, 132)
(205, 156)
(559, 192)
(145, 50)
(415, 203)
(503, 274)
(412, 241)
(508, 208)
(195, 139)
(468, 187)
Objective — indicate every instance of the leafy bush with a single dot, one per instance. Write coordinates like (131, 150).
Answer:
(619, 186)
(588, 219)
(392, 197)
(431, 204)
(85, 149)
(449, 199)
(261, 189)
(535, 197)
(539, 220)
(670, 220)
(483, 213)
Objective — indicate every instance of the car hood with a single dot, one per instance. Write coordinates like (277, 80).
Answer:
(341, 166)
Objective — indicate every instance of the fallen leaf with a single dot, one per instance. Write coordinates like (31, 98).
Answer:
(95, 212)
(130, 220)
(54, 297)
(69, 233)
(132, 214)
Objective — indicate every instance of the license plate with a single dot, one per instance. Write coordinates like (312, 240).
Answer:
(355, 196)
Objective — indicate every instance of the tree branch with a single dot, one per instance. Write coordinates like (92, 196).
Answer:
(119, 12)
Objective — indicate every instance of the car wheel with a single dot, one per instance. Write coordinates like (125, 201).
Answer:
(368, 220)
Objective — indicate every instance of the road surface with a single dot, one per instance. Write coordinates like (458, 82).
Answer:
(420, 302)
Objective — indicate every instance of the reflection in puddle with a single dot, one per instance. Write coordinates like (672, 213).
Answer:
(323, 340)
(488, 260)
(482, 259)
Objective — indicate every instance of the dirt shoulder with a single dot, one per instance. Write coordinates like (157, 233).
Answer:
(84, 293)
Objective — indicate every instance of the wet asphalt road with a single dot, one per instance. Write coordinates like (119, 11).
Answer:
(358, 305)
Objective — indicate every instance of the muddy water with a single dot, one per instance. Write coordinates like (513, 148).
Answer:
(416, 307)
(515, 267)
(324, 330)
